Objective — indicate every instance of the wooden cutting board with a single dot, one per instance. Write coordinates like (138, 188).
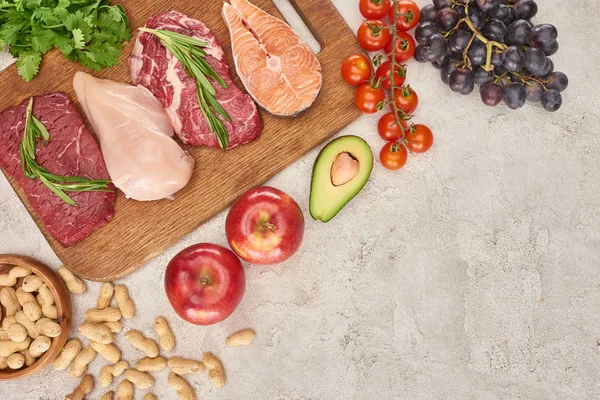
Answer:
(141, 231)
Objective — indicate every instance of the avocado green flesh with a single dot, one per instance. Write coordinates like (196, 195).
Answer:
(326, 200)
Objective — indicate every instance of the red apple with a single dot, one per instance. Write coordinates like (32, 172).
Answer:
(205, 283)
(265, 226)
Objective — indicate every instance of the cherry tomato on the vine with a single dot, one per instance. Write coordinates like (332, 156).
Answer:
(389, 129)
(419, 138)
(405, 47)
(393, 155)
(384, 72)
(408, 15)
(373, 35)
(406, 99)
(356, 69)
(369, 99)
(374, 9)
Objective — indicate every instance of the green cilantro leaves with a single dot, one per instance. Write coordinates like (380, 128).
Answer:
(90, 32)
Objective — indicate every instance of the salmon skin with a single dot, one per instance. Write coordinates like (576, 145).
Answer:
(275, 65)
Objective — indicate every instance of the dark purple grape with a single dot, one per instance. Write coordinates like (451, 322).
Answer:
(439, 4)
(551, 100)
(534, 91)
(543, 35)
(487, 5)
(428, 13)
(425, 30)
(525, 9)
(456, 56)
(499, 70)
(535, 61)
(477, 17)
(461, 12)
(435, 48)
(491, 94)
(515, 95)
(558, 81)
(419, 54)
(460, 80)
(446, 18)
(552, 49)
(514, 59)
(503, 13)
(477, 52)
(438, 63)
(494, 30)
(480, 76)
(548, 68)
(517, 33)
(447, 69)
(469, 89)
(514, 77)
(497, 59)
(459, 40)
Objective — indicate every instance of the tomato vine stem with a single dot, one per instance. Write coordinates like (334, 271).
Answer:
(394, 65)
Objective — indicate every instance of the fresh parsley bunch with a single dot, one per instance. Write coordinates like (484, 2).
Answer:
(90, 32)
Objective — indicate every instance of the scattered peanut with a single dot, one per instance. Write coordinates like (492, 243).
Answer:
(24, 297)
(216, 372)
(108, 396)
(67, 355)
(119, 368)
(29, 359)
(3, 363)
(81, 362)
(74, 284)
(140, 342)
(181, 366)
(109, 314)
(9, 347)
(40, 345)
(17, 332)
(7, 280)
(165, 334)
(151, 364)
(85, 386)
(106, 293)
(48, 327)
(32, 311)
(241, 338)
(97, 332)
(125, 390)
(29, 325)
(15, 361)
(31, 283)
(19, 272)
(8, 321)
(124, 302)
(150, 396)
(8, 298)
(115, 327)
(105, 377)
(182, 387)
(3, 335)
(45, 295)
(141, 380)
(110, 352)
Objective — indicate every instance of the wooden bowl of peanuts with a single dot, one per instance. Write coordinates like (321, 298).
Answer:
(35, 310)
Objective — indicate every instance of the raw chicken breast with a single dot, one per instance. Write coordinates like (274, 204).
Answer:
(135, 136)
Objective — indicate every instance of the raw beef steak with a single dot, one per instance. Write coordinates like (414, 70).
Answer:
(155, 68)
(71, 151)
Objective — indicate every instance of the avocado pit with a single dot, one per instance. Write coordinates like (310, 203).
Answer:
(344, 169)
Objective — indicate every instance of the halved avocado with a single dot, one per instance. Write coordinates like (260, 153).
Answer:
(341, 170)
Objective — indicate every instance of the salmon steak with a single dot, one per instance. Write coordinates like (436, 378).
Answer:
(275, 65)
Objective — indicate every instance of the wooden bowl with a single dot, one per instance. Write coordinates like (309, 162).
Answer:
(62, 301)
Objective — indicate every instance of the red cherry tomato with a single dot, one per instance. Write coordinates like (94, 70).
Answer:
(374, 9)
(373, 35)
(389, 129)
(405, 47)
(393, 155)
(383, 75)
(369, 99)
(406, 99)
(356, 69)
(408, 15)
(419, 138)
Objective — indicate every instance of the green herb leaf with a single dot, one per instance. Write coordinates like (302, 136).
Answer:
(28, 64)
(78, 39)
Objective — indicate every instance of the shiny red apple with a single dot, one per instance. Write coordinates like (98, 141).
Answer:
(265, 226)
(205, 283)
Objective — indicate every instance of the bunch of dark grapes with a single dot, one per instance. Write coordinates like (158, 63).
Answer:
(492, 44)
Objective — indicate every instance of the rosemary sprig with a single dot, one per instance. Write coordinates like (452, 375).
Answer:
(189, 52)
(35, 131)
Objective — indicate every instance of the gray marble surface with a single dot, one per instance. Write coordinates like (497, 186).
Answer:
(473, 273)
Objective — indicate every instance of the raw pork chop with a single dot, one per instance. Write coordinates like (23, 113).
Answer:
(155, 68)
(277, 67)
(72, 151)
(135, 135)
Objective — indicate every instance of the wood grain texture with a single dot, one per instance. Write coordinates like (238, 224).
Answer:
(140, 231)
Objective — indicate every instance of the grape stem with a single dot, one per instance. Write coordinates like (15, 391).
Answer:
(526, 79)
(399, 115)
